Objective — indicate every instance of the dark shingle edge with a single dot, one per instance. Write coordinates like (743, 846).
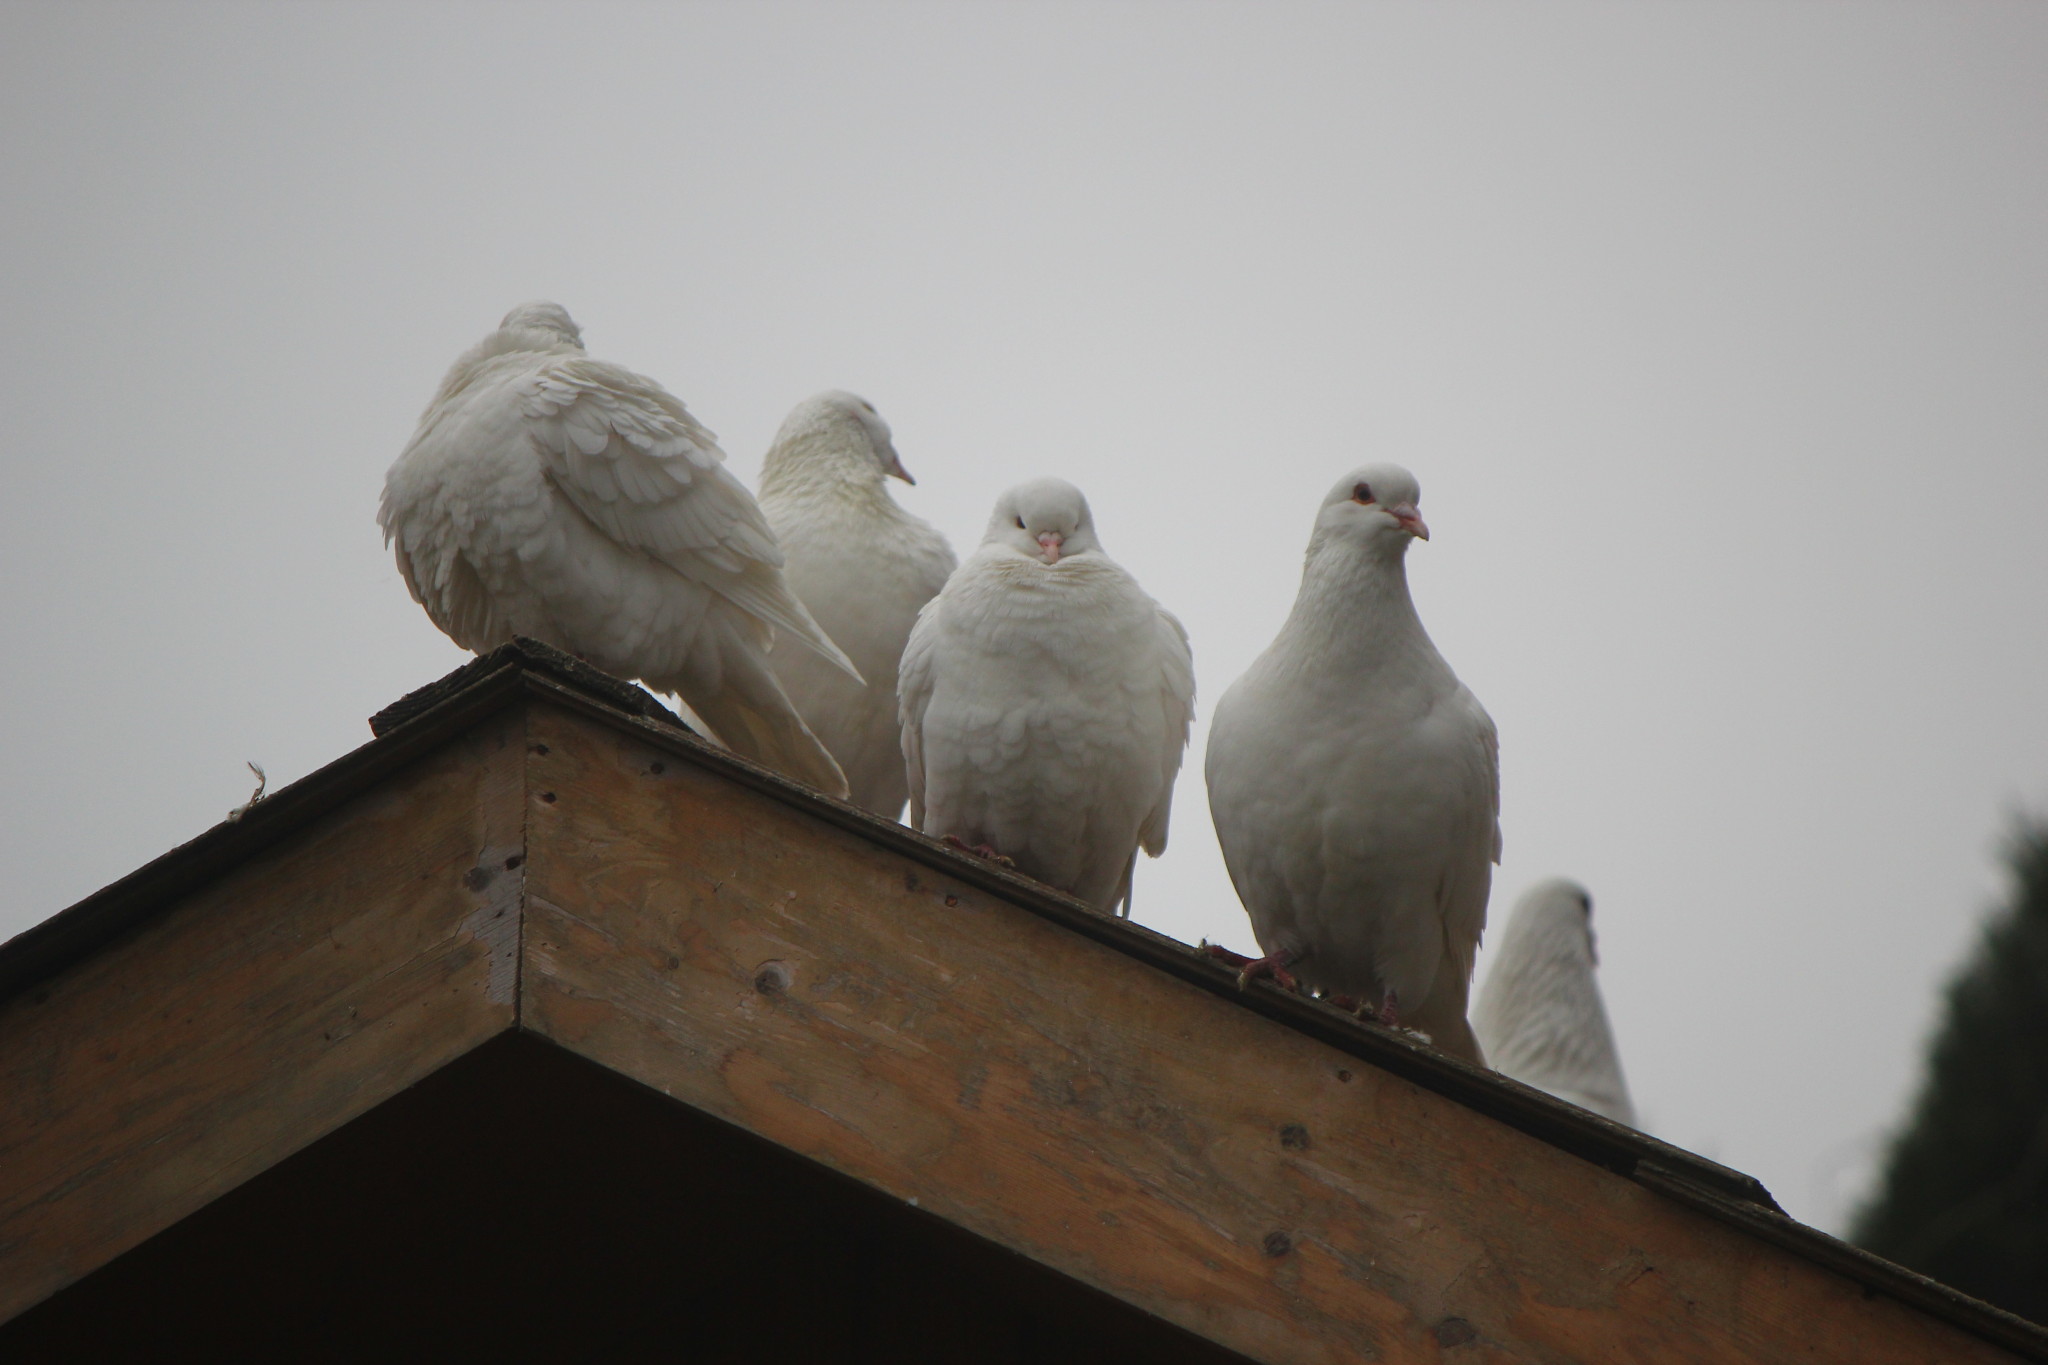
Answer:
(616, 692)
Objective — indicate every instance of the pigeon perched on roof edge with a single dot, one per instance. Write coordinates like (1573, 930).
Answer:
(1540, 1017)
(1354, 781)
(552, 495)
(1046, 701)
(863, 567)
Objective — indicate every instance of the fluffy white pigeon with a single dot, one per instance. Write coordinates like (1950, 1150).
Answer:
(1540, 1017)
(552, 495)
(1354, 781)
(864, 567)
(1046, 702)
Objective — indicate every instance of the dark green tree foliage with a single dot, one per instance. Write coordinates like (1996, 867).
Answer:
(1964, 1195)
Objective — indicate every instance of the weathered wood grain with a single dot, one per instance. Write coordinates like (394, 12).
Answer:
(264, 1010)
(1078, 1095)
(1104, 1118)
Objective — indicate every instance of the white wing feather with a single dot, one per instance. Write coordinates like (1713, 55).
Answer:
(1176, 702)
(913, 696)
(552, 495)
(629, 457)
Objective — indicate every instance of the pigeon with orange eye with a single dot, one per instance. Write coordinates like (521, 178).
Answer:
(1355, 783)
(1404, 513)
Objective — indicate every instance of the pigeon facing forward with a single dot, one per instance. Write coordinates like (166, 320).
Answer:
(1046, 702)
(863, 566)
(1540, 1016)
(551, 495)
(1355, 782)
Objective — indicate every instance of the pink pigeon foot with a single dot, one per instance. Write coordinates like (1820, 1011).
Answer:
(978, 850)
(1272, 966)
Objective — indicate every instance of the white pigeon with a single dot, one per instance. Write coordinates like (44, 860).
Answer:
(863, 566)
(1540, 1016)
(551, 495)
(1354, 781)
(1046, 702)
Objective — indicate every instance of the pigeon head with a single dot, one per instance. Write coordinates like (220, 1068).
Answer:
(1046, 519)
(1374, 507)
(826, 429)
(543, 316)
(1559, 914)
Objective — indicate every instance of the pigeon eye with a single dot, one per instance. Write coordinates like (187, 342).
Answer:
(1020, 523)
(1362, 494)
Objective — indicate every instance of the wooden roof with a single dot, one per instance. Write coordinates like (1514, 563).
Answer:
(534, 893)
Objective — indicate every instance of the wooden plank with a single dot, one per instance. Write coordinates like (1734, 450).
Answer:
(1624, 1150)
(1195, 1159)
(263, 1010)
(523, 1204)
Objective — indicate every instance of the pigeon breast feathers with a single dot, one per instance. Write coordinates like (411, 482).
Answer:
(1045, 700)
(1354, 781)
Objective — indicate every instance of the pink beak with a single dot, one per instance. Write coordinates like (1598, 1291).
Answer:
(896, 468)
(1050, 542)
(1410, 519)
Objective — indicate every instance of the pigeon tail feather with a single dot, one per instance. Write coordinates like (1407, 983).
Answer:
(1443, 1018)
(773, 735)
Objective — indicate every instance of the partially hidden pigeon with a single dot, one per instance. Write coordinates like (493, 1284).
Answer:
(863, 566)
(1539, 1016)
(552, 495)
(1046, 701)
(1354, 781)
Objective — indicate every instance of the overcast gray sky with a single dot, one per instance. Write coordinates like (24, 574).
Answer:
(1715, 334)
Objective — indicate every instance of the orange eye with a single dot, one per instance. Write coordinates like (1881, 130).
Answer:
(1362, 494)
(1020, 523)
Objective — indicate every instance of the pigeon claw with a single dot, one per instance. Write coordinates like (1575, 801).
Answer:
(1273, 966)
(1389, 1012)
(978, 850)
(1274, 971)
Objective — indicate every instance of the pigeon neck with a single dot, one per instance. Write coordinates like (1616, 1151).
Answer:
(1357, 607)
(816, 467)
